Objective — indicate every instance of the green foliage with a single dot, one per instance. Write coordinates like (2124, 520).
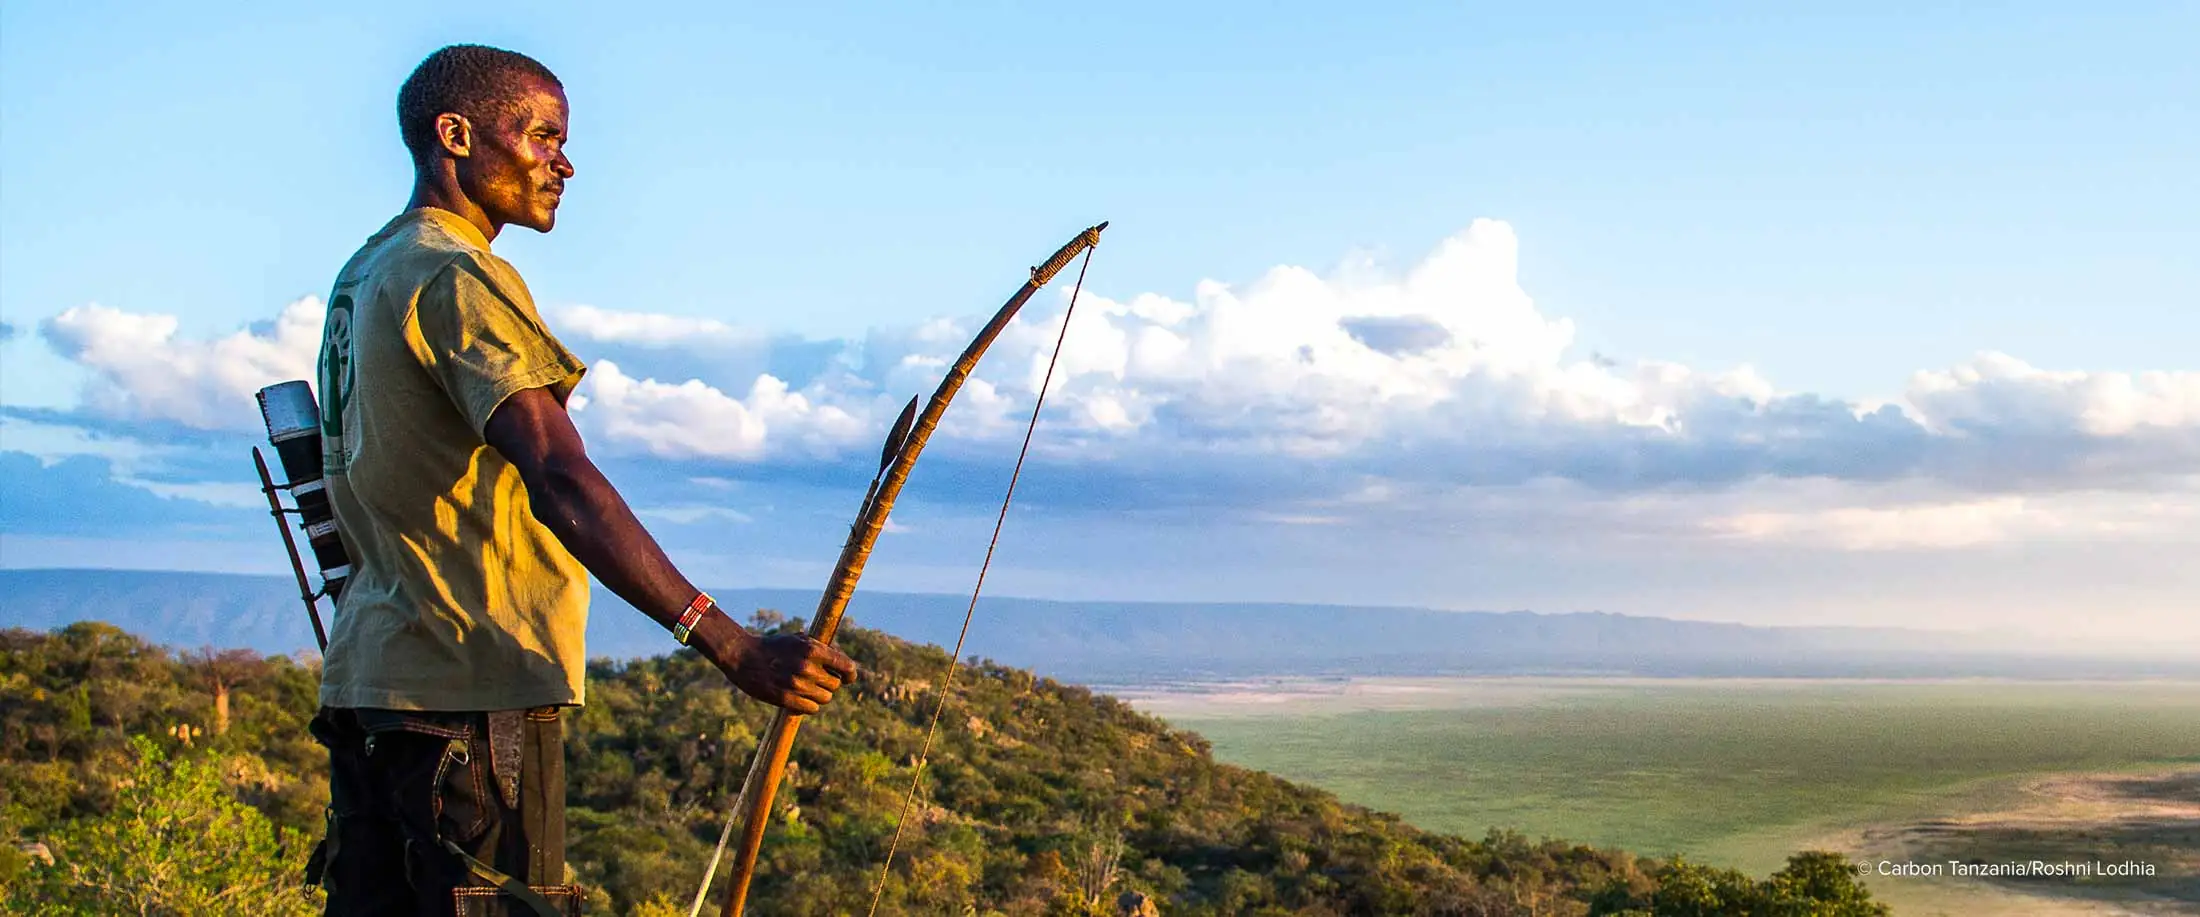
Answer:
(177, 842)
(1814, 884)
(1039, 798)
(71, 700)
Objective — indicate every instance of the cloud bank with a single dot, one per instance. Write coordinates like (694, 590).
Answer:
(1299, 398)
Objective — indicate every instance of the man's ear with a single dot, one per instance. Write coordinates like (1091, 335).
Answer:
(455, 134)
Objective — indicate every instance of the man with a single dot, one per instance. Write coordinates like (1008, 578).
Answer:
(473, 515)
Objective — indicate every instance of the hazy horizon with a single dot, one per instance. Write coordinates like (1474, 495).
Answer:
(1100, 640)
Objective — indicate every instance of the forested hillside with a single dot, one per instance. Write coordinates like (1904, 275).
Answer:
(136, 780)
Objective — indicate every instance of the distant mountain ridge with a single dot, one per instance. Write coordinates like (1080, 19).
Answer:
(1130, 641)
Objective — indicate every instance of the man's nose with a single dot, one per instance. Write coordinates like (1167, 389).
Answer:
(563, 166)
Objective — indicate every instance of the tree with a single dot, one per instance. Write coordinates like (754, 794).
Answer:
(1688, 889)
(1816, 883)
(1100, 865)
(224, 670)
(175, 843)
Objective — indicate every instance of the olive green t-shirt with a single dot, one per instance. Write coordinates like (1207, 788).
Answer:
(458, 599)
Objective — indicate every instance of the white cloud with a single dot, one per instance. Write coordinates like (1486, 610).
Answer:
(1815, 514)
(1921, 515)
(692, 513)
(51, 443)
(143, 371)
(694, 420)
(219, 493)
(647, 329)
(1999, 392)
(1940, 525)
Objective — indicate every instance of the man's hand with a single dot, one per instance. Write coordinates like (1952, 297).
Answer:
(785, 670)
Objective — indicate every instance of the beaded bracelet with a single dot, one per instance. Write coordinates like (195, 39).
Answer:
(694, 613)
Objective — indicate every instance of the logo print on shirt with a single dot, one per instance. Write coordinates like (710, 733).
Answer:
(336, 370)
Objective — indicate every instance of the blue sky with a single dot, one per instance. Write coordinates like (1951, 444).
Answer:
(1848, 314)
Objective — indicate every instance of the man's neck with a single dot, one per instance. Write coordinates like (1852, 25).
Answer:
(443, 194)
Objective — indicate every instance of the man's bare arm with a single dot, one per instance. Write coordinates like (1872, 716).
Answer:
(572, 498)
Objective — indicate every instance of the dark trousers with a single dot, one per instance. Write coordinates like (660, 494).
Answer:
(426, 818)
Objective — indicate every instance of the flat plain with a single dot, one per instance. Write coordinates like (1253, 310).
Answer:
(1742, 772)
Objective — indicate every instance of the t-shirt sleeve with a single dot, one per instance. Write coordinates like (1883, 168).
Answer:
(482, 340)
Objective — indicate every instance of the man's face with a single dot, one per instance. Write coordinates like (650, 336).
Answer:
(516, 169)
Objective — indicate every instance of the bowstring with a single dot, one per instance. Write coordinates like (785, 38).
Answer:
(724, 835)
(954, 659)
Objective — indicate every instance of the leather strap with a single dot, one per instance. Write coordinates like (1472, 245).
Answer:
(504, 883)
(504, 753)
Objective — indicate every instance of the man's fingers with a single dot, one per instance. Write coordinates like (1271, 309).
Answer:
(817, 675)
(834, 660)
(801, 685)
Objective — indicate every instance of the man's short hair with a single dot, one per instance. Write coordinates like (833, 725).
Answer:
(471, 80)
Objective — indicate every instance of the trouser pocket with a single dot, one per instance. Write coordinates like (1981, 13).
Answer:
(433, 771)
(459, 802)
(563, 900)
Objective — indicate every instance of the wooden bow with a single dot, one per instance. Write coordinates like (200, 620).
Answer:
(903, 445)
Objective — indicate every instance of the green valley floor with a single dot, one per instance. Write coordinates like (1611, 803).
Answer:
(1742, 772)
